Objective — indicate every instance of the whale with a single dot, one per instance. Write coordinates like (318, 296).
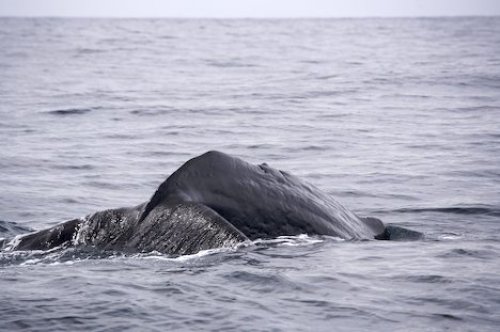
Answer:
(214, 200)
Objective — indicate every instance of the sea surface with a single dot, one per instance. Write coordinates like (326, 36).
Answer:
(396, 118)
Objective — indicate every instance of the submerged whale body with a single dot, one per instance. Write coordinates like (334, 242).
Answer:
(214, 200)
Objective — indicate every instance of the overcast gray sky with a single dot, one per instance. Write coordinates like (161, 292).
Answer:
(248, 8)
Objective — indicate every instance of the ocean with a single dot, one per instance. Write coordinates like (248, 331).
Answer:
(396, 118)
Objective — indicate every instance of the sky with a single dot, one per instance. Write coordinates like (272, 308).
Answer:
(248, 8)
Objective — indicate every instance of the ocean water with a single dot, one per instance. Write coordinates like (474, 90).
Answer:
(396, 118)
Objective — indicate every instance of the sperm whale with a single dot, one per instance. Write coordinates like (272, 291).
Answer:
(215, 200)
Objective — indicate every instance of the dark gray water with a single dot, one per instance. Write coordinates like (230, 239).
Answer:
(396, 118)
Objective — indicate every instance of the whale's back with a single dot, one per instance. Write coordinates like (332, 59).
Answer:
(260, 201)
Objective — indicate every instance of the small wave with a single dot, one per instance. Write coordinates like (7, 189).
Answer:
(325, 77)
(84, 51)
(74, 167)
(263, 282)
(431, 278)
(71, 111)
(266, 146)
(103, 185)
(481, 108)
(81, 51)
(151, 112)
(328, 93)
(466, 210)
(229, 64)
(8, 229)
(120, 136)
(470, 253)
(449, 316)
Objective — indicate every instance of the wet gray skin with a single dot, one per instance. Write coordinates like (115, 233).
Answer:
(215, 200)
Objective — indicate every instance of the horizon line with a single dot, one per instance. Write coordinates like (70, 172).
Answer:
(252, 17)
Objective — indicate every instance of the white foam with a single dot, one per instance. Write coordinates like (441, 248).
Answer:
(159, 256)
(81, 228)
(450, 237)
(12, 244)
(294, 241)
